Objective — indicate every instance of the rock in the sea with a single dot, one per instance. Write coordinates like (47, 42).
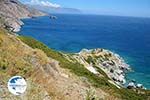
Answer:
(139, 86)
(133, 85)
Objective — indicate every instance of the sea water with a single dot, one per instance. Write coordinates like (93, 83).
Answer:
(127, 36)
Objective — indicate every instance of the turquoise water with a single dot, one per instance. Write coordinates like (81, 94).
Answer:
(127, 36)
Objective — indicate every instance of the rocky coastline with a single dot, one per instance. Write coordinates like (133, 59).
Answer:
(110, 63)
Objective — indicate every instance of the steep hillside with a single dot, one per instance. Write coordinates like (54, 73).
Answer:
(44, 76)
(50, 75)
(100, 82)
(11, 11)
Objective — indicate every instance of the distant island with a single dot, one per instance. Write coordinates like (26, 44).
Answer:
(53, 75)
(59, 10)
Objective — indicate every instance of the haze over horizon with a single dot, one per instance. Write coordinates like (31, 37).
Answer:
(136, 8)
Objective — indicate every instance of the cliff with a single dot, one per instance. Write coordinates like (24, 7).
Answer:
(11, 11)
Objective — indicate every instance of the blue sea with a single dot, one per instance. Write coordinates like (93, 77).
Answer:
(127, 36)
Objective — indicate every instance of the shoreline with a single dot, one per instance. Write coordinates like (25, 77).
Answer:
(115, 67)
(20, 23)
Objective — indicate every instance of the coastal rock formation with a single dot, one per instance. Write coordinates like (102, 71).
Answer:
(11, 11)
(132, 85)
(112, 64)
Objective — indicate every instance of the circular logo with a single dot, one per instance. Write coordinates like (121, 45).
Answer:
(17, 85)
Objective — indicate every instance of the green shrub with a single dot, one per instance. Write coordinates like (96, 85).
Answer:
(91, 60)
(3, 65)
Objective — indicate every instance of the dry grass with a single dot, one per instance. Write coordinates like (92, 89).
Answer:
(42, 74)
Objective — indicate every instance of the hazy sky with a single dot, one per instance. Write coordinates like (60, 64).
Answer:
(109, 7)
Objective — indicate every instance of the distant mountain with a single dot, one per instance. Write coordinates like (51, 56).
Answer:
(60, 10)
(11, 11)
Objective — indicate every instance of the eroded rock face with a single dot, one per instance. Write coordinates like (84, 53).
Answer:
(12, 11)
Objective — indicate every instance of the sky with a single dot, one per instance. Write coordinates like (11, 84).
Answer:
(139, 8)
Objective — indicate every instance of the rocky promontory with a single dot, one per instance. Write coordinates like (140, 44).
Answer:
(100, 59)
(11, 11)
